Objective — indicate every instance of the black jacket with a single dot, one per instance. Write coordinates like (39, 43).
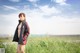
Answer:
(25, 31)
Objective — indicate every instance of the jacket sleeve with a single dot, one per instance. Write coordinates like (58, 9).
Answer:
(27, 31)
(15, 37)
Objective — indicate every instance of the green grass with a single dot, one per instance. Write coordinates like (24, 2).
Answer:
(47, 45)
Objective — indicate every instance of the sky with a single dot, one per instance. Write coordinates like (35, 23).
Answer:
(53, 17)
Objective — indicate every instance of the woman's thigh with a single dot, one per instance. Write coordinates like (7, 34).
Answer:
(20, 48)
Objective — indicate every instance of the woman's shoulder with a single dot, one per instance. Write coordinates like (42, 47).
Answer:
(26, 23)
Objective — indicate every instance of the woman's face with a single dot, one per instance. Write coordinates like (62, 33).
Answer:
(22, 18)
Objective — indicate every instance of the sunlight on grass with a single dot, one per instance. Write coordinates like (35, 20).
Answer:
(45, 45)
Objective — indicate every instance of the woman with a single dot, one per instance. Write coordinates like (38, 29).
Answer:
(21, 33)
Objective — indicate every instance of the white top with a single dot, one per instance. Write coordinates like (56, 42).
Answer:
(19, 29)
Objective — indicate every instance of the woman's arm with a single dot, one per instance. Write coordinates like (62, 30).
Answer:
(27, 31)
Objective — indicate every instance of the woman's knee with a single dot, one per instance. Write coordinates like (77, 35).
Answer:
(22, 51)
(22, 48)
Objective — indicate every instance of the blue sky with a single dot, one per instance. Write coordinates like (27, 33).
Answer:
(44, 16)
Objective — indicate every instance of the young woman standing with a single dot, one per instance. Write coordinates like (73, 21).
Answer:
(21, 33)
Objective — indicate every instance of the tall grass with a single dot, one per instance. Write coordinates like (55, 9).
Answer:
(45, 45)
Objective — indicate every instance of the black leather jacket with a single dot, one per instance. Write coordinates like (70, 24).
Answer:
(25, 31)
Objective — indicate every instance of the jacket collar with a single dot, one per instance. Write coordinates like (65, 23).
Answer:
(22, 21)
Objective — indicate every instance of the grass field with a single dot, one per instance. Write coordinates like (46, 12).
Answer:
(46, 44)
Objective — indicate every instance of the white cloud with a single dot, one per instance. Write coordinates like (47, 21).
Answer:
(9, 23)
(61, 2)
(62, 25)
(54, 25)
(48, 11)
(14, 0)
(9, 7)
(42, 25)
(33, 0)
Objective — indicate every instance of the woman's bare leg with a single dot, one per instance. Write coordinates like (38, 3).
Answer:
(18, 49)
(22, 48)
